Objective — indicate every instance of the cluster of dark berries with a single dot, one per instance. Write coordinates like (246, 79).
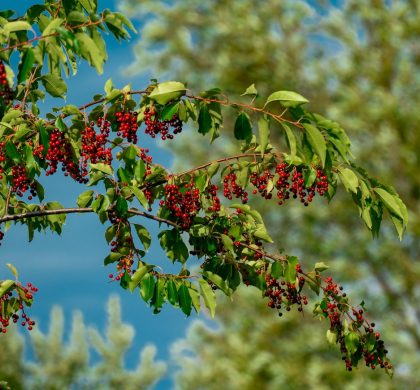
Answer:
(212, 196)
(1, 236)
(183, 203)
(127, 125)
(284, 293)
(21, 183)
(375, 355)
(60, 151)
(231, 188)
(28, 291)
(155, 126)
(291, 183)
(261, 182)
(5, 91)
(124, 266)
(94, 144)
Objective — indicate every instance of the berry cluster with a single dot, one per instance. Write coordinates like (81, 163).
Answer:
(124, 266)
(155, 126)
(284, 293)
(8, 298)
(1, 236)
(261, 182)
(2, 158)
(21, 182)
(231, 188)
(182, 203)
(296, 186)
(60, 151)
(127, 125)
(374, 354)
(212, 195)
(94, 145)
(5, 91)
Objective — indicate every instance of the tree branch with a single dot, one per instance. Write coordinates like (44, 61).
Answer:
(78, 210)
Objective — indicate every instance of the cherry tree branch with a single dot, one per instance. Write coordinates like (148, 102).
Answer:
(78, 210)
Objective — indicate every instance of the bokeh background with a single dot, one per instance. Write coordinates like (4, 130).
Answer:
(358, 63)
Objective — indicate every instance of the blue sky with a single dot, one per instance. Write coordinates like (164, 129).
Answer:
(68, 270)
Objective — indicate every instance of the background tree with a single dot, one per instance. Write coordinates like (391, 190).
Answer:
(358, 63)
(62, 364)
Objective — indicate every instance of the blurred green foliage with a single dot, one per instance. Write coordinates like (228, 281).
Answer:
(62, 364)
(358, 63)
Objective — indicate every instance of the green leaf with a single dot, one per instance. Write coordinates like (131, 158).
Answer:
(261, 233)
(85, 198)
(243, 127)
(391, 203)
(227, 242)
(351, 341)
(19, 25)
(104, 168)
(12, 152)
(90, 51)
(204, 120)
(251, 90)
(167, 91)
(144, 236)
(175, 248)
(13, 269)
(209, 296)
(218, 281)
(276, 269)
(317, 141)
(113, 257)
(349, 179)
(141, 197)
(264, 133)
(331, 337)
(6, 286)
(319, 267)
(25, 65)
(169, 111)
(147, 287)
(185, 301)
(22, 132)
(291, 139)
(139, 275)
(139, 171)
(172, 292)
(121, 206)
(290, 273)
(52, 26)
(286, 98)
(54, 85)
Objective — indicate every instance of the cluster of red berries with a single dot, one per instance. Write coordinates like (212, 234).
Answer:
(127, 125)
(155, 126)
(60, 151)
(94, 145)
(28, 291)
(21, 182)
(5, 91)
(261, 182)
(212, 195)
(372, 356)
(232, 188)
(296, 187)
(182, 203)
(124, 266)
(284, 293)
